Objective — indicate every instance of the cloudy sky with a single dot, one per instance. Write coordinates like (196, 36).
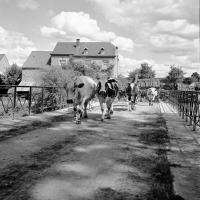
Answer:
(160, 32)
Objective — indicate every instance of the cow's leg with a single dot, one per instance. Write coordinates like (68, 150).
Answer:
(109, 104)
(133, 102)
(111, 110)
(85, 104)
(129, 103)
(102, 111)
(77, 114)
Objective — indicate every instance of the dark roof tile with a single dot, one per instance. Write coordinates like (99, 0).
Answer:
(93, 49)
(37, 59)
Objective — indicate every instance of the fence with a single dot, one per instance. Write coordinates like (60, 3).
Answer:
(187, 103)
(23, 100)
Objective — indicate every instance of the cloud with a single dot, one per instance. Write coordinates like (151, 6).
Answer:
(126, 64)
(126, 12)
(28, 4)
(50, 31)
(68, 25)
(163, 43)
(15, 45)
(178, 27)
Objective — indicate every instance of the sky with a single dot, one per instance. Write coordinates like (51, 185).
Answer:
(159, 32)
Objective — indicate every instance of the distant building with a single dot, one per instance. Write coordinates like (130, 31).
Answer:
(33, 67)
(101, 53)
(4, 64)
(186, 87)
(147, 83)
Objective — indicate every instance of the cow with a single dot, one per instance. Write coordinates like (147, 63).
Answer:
(132, 92)
(83, 90)
(121, 95)
(152, 93)
(106, 93)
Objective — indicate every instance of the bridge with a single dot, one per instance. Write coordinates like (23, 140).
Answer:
(150, 152)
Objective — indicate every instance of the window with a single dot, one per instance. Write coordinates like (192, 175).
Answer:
(88, 61)
(101, 51)
(105, 61)
(63, 62)
(85, 51)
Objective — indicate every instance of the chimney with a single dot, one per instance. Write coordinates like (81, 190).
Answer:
(116, 51)
(77, 42)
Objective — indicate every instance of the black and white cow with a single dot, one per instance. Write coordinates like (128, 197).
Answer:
(152, 93)
(106, 93)
(132, 92)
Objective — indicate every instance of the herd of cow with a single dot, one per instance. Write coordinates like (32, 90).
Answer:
(85, 89)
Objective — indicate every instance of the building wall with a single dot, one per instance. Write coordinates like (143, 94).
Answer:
(104, 62)
(58, 60)
(31, 75)
(145, 83)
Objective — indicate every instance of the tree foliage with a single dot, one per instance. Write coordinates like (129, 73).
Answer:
(187, 80)
(145, 71)
(92, 69)
(175, 75)
(195, 77)
(2, 79)
(122, 82)
(13, 75)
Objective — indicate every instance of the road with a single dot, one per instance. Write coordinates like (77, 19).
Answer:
(115, 159)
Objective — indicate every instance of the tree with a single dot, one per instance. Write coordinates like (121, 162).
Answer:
(132, 75)
(145, 71)
(195, 77)
(13, 75)
(187, 80)
(2, 79)
(175, 75)
(122, 82)
(92, 69)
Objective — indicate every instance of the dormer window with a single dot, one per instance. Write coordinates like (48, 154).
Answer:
(85, 51)
(101, 52)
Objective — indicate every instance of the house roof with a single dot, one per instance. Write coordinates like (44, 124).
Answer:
(1, 56)
(92, 48)
(37, 59)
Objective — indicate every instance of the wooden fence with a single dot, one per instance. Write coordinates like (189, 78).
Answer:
(187, 103)
(23, 100)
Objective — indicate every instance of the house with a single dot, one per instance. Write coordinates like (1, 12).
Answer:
(33, 67)
(101, 53)
(186, 87)
(4, 64)
(147, 83)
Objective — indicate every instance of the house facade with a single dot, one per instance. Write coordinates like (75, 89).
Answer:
(147, 83)
(101, 53)
(4, 64)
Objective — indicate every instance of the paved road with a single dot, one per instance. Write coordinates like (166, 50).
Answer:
(94, 160)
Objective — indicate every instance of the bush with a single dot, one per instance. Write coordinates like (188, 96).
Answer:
(13, 75)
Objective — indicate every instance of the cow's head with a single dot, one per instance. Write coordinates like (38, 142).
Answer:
(72, 91)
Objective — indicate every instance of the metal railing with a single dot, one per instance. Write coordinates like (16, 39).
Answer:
(24, 100)
(187, 104)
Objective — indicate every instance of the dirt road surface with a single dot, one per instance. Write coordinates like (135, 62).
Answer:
(111, 160)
